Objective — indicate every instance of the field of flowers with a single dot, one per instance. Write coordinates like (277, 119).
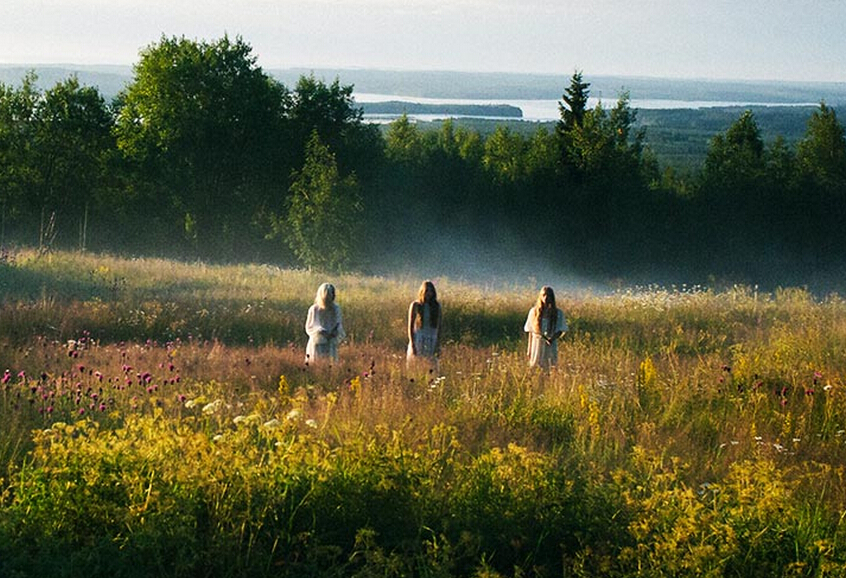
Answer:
(157, 419)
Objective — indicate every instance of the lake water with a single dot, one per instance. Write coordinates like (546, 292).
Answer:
(547, 110)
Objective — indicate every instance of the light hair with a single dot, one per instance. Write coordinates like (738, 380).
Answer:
(325, 296)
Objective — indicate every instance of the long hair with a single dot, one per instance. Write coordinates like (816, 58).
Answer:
(548, 309)
(324, 300)
(428, 288)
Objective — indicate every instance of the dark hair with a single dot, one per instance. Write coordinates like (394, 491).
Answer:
(545, 310)
(434, 306)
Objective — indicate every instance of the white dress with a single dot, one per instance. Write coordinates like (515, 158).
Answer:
(540, 352)
(425, 338)
(325, 330)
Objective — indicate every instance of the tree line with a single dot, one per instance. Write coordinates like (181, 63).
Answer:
(204, 155)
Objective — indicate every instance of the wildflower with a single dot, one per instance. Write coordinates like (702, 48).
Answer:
(213, 407)
(293, 414)
(7, 376)
(311, 423)
(272, 424)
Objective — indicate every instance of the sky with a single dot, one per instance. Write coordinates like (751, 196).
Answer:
(796, 40)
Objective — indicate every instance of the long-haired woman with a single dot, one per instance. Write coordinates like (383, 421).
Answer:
(424, 320)
(324, 325)
(545, 324)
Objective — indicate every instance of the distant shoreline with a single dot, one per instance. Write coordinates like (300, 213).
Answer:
(503, 87)
(396, 108)
(387, 107)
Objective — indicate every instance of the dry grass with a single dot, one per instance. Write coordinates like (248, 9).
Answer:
(685, 432)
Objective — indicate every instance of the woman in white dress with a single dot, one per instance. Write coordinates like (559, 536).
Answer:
(324, 326)
(545, 324)
(424, 320)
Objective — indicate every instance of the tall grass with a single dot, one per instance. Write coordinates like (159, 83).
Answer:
(158, 418)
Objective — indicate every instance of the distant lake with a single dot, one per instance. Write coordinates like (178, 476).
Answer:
(547, 110)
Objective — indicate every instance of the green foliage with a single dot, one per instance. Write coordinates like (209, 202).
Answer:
(735, 160)
(53, 153)
(403, 142)
(200, 124)
(574, 107)
(324, 212)
(822, 153)
(683, 433)
(198, 157)
(503, 156)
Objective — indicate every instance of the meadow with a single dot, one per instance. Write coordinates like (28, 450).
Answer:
(157, 418)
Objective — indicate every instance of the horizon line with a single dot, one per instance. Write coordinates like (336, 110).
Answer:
(587, 75)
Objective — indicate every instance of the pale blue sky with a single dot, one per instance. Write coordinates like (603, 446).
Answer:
(720, 39)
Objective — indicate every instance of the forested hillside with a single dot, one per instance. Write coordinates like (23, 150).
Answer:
(205, 155)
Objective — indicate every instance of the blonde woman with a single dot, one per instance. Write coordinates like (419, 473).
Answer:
(545, 324)
(324, 326)
(424, 320)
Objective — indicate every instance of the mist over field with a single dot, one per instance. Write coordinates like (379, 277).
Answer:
(160, 251)
(607, 195)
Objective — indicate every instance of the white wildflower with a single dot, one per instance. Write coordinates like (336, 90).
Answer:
(213, 407)
(294, 414)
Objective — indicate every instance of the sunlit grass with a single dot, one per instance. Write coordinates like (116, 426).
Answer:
(159, 417)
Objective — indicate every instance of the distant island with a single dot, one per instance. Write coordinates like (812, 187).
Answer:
(481, 86)
(398, 107)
